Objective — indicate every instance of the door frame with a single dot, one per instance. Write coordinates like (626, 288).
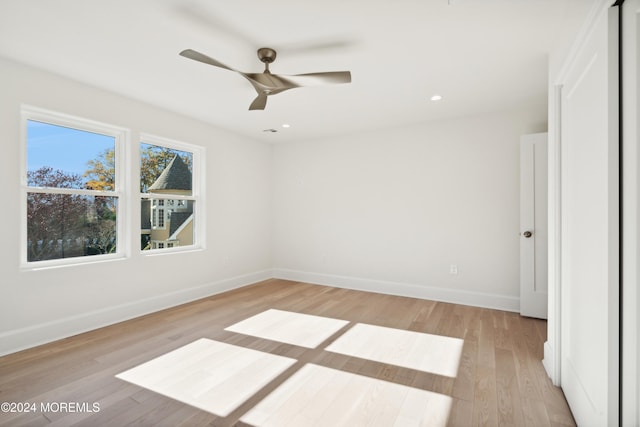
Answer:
(630, 179)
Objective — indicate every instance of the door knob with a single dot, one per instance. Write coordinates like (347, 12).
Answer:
(527, 234)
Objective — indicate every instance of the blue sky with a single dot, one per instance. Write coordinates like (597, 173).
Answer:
(63, 148)
(69, 149)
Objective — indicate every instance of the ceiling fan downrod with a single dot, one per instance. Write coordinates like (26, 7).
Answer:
(267, 56)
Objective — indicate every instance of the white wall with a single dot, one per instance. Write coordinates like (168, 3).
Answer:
(391, 210)
(39, 306)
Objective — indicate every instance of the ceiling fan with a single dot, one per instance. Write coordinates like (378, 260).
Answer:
(266, 83)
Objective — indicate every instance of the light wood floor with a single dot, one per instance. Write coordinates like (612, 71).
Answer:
(500, 380)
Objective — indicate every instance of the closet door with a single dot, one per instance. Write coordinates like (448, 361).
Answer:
(590, 227)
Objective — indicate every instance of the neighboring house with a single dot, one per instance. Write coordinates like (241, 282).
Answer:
(168, 223)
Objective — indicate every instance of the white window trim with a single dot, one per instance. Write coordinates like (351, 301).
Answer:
(197, 189)
(156, 218)
(122, 184)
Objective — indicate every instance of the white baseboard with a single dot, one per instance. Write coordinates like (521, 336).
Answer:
(20, 339)
(549, 363)
(476, 299)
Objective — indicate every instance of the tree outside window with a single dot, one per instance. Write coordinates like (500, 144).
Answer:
(69, 213)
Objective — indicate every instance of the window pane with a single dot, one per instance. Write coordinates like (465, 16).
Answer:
(166, 225)
(66, 226)
(165, 170)
(62, 157)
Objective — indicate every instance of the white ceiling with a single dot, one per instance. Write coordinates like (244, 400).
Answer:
(480, 55)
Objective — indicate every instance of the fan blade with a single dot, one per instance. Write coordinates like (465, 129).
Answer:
(214, 22)
(201, 57)
(262, 81)
(259, 103)
(317, 46)
(312, 79)
(282, 82)
(211, 18)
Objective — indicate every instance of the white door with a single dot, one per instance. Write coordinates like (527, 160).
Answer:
(590, 227)
(533, 225)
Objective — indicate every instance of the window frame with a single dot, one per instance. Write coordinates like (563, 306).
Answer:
(197, 187)
(121, 183)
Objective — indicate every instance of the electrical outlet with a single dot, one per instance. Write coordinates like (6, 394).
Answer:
(453, 269)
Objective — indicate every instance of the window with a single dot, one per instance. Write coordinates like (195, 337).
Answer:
(169, 189)
(72, 196)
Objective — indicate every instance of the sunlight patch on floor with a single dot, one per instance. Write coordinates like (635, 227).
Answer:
(288, 327)
(317, 395)
(210, 375)
(219, 377)
(416, 350)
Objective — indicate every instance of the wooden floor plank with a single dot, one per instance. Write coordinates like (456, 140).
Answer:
(461, 413)
(485, 402)
(464, 384)
(508, 392)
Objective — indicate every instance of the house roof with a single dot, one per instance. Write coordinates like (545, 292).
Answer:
(177, 220)
(176, 176)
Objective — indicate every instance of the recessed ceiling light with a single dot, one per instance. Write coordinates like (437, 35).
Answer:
(286, 125)
(436, 97)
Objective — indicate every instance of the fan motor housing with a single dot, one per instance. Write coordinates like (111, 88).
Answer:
(266, 55)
